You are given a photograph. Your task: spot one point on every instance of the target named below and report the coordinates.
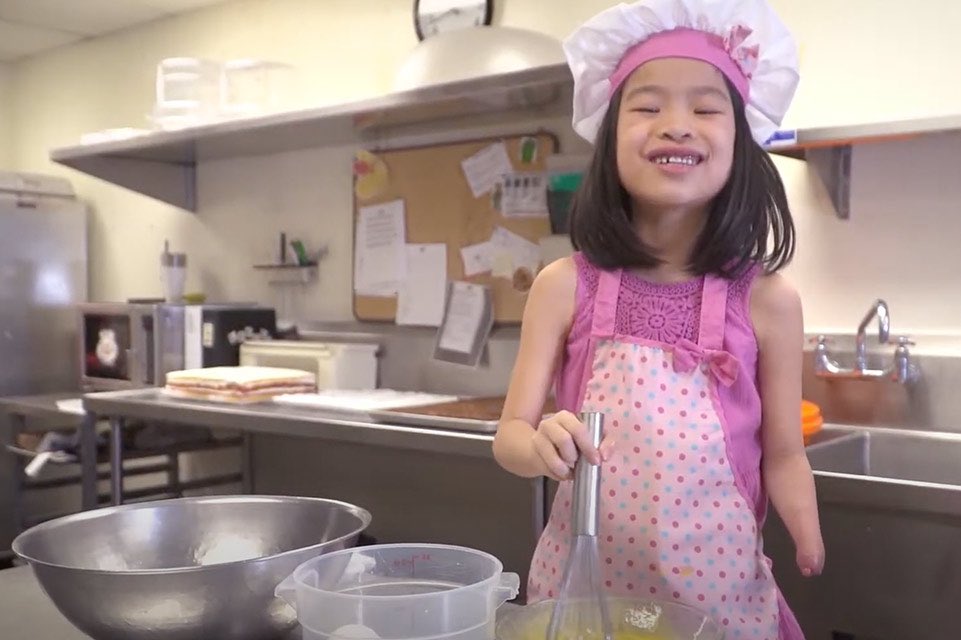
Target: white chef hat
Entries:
(744, 39)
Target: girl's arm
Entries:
(524, 445)
(779, 326)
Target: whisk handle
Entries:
(587, 480)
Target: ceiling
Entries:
(28, 27)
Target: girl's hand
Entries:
(810, 558)
(559, 440)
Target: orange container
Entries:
(811, 419)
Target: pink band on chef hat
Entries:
(682, 43)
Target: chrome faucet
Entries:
(901, 370)
(880, 310)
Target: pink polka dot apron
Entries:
(674, 524)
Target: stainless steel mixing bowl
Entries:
(185, 569)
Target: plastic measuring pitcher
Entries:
(399, 592)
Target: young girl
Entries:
(672, 320)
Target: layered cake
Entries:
(239, 385)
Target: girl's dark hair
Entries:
(749, 220)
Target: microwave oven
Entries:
(133, 345)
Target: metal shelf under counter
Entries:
(81, 467)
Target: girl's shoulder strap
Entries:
(739, 290)
(587, 273)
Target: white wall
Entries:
(6, 117)
(347, 49)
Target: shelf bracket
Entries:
(172, 182)
(832, 165)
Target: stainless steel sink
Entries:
(887, 453)
(888, 468)
(890, 508)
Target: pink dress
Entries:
(674, 369)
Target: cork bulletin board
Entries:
(442, 205)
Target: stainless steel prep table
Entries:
(41, 413)
(285, 420)
(43, 408)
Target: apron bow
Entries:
(687, 355)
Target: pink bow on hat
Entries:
(745, 57)
(722, 364)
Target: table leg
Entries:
(247, 464)
(173, 475)
(88, 461)
(18, 424)
(116, 461)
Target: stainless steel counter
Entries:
(275, 419)
(40, 412)
(27, 612)
(270, 419)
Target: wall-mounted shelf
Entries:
(163, 165)
(289, 273)
(828, 149)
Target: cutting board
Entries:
(361, 402)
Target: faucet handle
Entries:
(820, 340)
(905, 368)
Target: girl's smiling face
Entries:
(675, 135)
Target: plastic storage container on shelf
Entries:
(188, 93)
(399, 592)
(250, 87)
(348, 365)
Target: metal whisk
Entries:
(580, 612)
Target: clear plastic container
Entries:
(251, 87)
(399, 592)
(188, 92)
(173, 275)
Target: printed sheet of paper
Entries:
(421, 298)
(523, 195)
(478, 258)
(380, 255)
(465, 311)
(484, 169)
(511, 251)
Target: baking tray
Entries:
(479, 415)
(436, 422)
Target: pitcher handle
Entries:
(287, 591)
(507, 588)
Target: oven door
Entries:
(116, 346)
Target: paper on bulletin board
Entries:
(380, 255)
(421, 298)
(465, 312)
(478, 258)
(484, 169)
(522, 195)
(511, 251)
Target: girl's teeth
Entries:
(686, 160)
